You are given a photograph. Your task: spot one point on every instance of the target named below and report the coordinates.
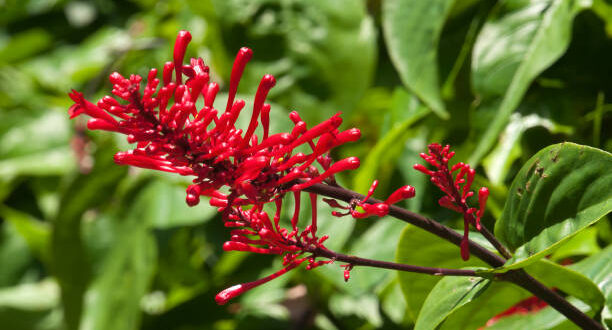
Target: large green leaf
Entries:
(449, 294)
(501, 295)
(598, 269)
(518, 41)
(583, 244)
(385, 152)
(567, 280)
(165, 207)
(412, 31)
(560, 191)
(496, 299)
(421, 248)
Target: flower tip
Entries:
(192, 200)
(336, 120)
(352, 163)
(184, 35)
(355, 133)
(268, 81)
(75, 110)
(226, 295)
(120, 157)
(245, 53)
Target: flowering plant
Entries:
(176, 128)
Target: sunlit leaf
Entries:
(448, 295)
(518, 41)
(560, 191)
(412, 30)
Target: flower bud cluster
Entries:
(456, 187)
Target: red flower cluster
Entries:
(173, 135)
(457, 189)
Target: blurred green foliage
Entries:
(86, 244)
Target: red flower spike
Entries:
(173, 135)
(457, 189)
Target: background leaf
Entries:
(518, 41)
(412, 30)
(449, 294)
(418, 247)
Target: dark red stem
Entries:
(357, 261)
(418, 220)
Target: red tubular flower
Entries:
(172, 135)
(372, 209)
(457, 189)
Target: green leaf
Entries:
(315, 45)
(496, 299)
(559, 192)
(35, 232)
(449, 294)
(544, 319)
(518, 41)
(378, 242)
(25, 44)
(34, 144)
(568, 281)
(393, 302)
(598, 269)
(386, 151)
(498, 162)
(30, 306)
(15, 256)
(421, 248)
(69, 261)
(412, 30)
(113, 301)
(165, 207)
(583, 244)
